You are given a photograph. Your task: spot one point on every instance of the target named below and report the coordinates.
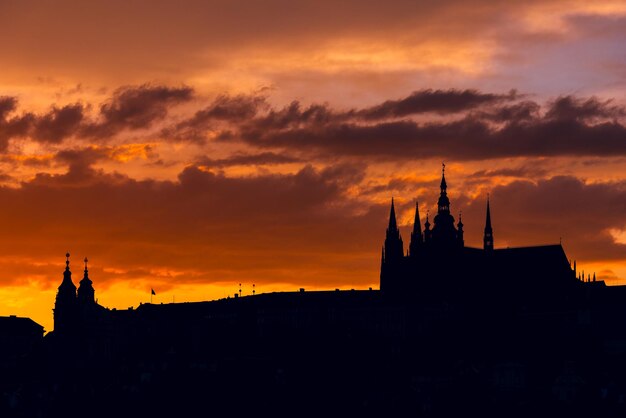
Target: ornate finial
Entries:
(443, 167)
(86, 260)
(67, 260)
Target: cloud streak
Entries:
(567, 126)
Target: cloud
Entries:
(574, 108)
(452, 124)
(58, 124)
(523, 111)
(147, 224)
(436, 101)
(245, 109)
(7, 105)
(568, 126)
(130, 108)
(263, 158)
(135, 108)
(224, 108)
(523, 171)
(562, 207)
(11, 127)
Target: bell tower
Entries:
(86, 292)
(65, 304)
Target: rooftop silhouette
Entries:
(453, 330)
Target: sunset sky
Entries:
(191, 146)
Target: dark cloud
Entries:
(53, 126)
(136, 108)
(524, 171)
(58, 124)
(10, 127)
(230, 108)
(263, 158)
(436, 101)
(244, 109)
(573, 108)
(7, 105)
(224, 108)
(482, 125)
(570, 126)
(523, 111)
(129, 108)
(294, 116)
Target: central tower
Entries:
(444, 233)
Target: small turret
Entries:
(86, 292)
(459, 227)
(427, 230)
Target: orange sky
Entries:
(190, 149)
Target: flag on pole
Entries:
(153, 293)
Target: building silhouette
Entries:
(453, 331)
(439, 265)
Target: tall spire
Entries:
(443, 184)
(443, 203)
(417, 229)
(417, 238)
(488, 237)
(393, 241)
(393, 225)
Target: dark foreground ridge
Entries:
(454, 331)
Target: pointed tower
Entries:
(417, 240)
(392, 256)
(86, 292)
(459, 236)
(488, 237)
(65, 303)
(444, 233)
(394, 249)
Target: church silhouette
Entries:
(453, 331)
(438, 262)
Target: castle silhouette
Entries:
(437, 260)
(453, 330)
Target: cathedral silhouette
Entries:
(437, 260)
(453, 331)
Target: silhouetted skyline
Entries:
(188, 150)
(454, 329)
